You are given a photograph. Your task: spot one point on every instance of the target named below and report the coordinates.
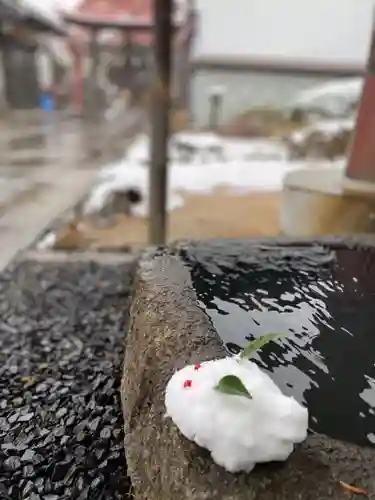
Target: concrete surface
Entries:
(169, 330)
(24, 222)
(358, 186)
(316, 202)
(46, 168)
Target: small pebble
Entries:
(61, 413)
(13, 418)
(12, 463)
(34, 496)
(4, 425)
(26, 417)
(41, 388)
(28, 456)
(106, 433)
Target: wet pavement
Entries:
(46, 166)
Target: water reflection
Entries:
(327, 311)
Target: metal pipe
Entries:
(160, 109)
(94, 51)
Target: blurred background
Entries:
(134, 123)
(264, 96)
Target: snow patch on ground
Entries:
(239, 164)
(48, 241)
(337, 97)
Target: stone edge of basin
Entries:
(167, 331)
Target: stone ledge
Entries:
(358, 187)
(319, 202)
(100, 257)
(168, 330)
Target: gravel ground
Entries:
(61, 343)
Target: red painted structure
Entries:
(135, 19)
(113, 12)
(112, 9)
(361, 163)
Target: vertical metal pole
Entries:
(160, 121)
(215, 105)
(77, 80)
(94, 68)
(128, 46)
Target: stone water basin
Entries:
(200, 300)
(323, 299)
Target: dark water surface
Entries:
(324, 301)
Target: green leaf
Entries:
(230, 384)
(254, 345)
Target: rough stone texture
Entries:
(167, 331)
(61, 349)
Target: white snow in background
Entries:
(335, 97)
(327, 128)
(204, 144)
(46, 9)
(349, 88)
(50, 9)
(239, 432)
(48, 241)
(242, 165)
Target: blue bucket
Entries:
(46, 102)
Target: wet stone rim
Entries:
(167, 331)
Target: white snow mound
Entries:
(239, 432)
(336, 97)
(240, 164)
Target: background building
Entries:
(262, 52)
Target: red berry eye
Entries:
(187, 383)
(197, 367)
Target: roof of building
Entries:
(136, 15)
(117, 9)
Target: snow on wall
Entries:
(335, 97)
